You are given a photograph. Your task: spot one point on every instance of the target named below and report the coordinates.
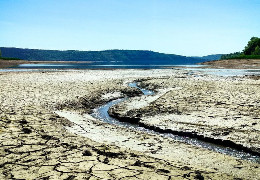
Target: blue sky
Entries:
(185, 27)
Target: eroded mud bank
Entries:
(221, 110)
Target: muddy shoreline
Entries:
(11, 63)
(233, 64)
(46, 131)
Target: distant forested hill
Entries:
(108, 56)
(211, 57)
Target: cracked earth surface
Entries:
(37, 143)
(221, 108)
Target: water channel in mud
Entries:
(101, 113)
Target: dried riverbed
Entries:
(47, 132)
(227, 109)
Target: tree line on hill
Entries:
(7, 58)
(251, 51)
(101, 57)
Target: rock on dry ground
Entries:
(37, 143)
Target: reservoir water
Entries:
(81, 66)
(99, 66)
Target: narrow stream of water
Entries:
(101, 113)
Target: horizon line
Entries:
(108, 50)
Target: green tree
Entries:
(0, 53)
(251, 45)
(257, 51)
(231, 55)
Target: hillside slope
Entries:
(107, 57)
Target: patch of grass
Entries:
(245, 57)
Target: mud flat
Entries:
(234, 64)
(219, 108)
(47, 132)
(11, 63)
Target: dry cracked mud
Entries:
(222, 108)
(39, 142)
